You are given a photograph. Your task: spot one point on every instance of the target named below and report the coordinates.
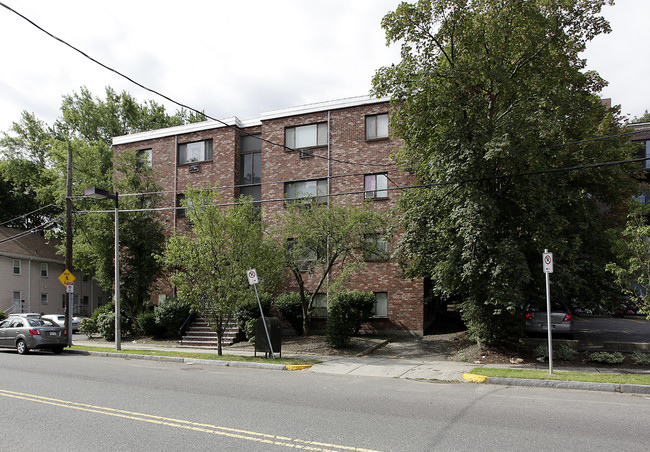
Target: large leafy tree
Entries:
(34, 166)
(209, 264)
(487, 91)
(327, 241)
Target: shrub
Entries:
(171, 313)
(607, 358)
(290, 307)
(3, 315)
(249, 330)
(561, 353)
(88, 326)
(106, 325)
(347, 312)
(146, 322)
(641, 358)
(251, 311)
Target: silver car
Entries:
(561, 319)
(27, 333)
(60, 320)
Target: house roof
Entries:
(28, 245)
(236, 122)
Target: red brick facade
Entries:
(344, 161)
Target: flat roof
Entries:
(236, 122)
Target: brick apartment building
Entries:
(332, 150)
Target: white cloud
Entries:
(240, 58)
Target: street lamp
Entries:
(98, 193)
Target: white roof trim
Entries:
(187, 128)
(234, 121)
(322, 106)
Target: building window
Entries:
(376, 186)
(380, 309)
(319, 307)
(44, 270)
(376, 247)
(304, 258)
(314, 190)
(646, 164)
(43, 298)
(15, 299)
(144, 158)
(198, 151)
(377, 127)
(16, 267)
(250, 168)
(306, 136)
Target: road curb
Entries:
(559, 384)
(209, 362)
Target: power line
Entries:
(164, 96)
(24, 233)
(27, 214)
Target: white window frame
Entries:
(314, 189)
(380, 307)
(319, 307)
(45, 271)
(17, 267)
(307, 136)
(376, 186)
(377, 127)
(194, 152)
(145, 158)
(381, 244)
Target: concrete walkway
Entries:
(394, 360)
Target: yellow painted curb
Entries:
(297, 366)
(474, 378)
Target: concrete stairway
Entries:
(200, 334)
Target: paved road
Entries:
(116, 404)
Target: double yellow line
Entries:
(275, 440)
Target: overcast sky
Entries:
(241, 58)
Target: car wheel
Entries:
(58, 350)
(21, 347)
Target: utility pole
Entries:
(69, 298)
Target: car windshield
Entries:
(41, 322)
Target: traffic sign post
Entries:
(253, 281)
(67, 279)
(547, 260)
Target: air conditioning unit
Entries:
(306, 153)
(371, 194)
(195, 168)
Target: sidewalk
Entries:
(393, 361)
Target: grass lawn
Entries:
(637, 379)
(199, 355)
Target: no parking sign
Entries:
(252, 276)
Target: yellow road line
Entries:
(294, 443)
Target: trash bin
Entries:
(275, 333)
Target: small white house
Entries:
(29, 272)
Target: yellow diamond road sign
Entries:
(66, 277)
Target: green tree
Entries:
(327, 240)
(34, 169)
(209, 264)
(632, 269)
(487, 91)
(645, 117)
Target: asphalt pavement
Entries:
(400, 359)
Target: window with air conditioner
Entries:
(376, 186)
(312, 135)
(197, 151)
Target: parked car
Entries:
(26, 333)
(60, 320)
(561, 319)
(30, 315)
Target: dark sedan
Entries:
(24, 334)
